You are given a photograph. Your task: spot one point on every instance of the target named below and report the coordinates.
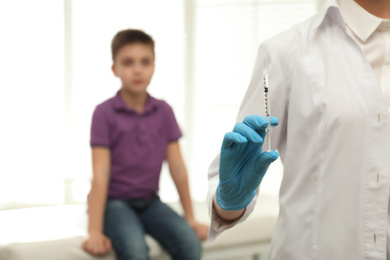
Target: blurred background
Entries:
(55, 64)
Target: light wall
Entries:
(56, 68)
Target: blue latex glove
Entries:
(242, 163)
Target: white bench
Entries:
(56, 232)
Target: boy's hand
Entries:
(97, 244)
(242, 163)
(200, 229)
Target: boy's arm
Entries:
(97, 243)
(180, 178)
(98, 195)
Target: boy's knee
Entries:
(129, 249)
(190, 248)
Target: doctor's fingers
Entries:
(256, 122)
(248, 132)
(260, 123)
(264, 160)
(233, 138)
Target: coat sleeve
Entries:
(253, 104)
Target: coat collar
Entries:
(362, 23)
(330, 10)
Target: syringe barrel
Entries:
(268, 134)
(266, 94)
(267, 108)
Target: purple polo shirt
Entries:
(137, 142)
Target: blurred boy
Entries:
(131, 135)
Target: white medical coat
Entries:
(333, 139)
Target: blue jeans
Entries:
(127, 221)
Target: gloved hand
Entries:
(242, 163)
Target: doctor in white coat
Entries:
(329, 83)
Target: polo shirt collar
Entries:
(119, 105)
(362, 23)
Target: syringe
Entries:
(267, 107)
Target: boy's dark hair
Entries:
(129, 36)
